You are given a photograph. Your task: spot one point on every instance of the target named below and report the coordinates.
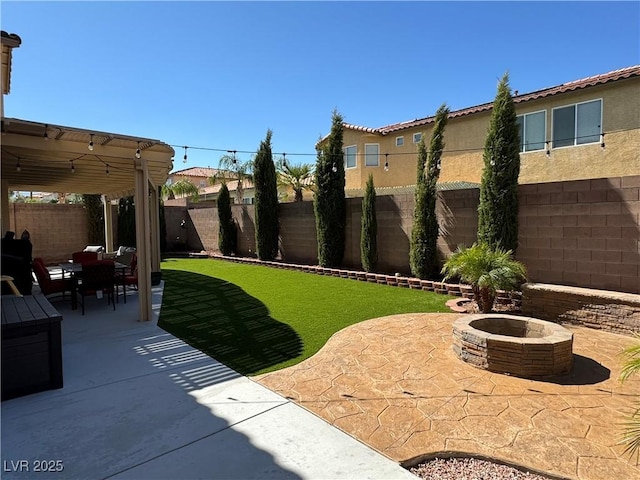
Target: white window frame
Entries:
(400, 141)
(414, 137)
(575, 123)
(523, 146)
(355, 156)
(367, 155)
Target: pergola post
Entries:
(154, 213)
(143, 241)
(4, 196)
(108, 224)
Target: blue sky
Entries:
(219, 74)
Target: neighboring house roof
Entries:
(615, 75)
(196, 172)
(410, 189)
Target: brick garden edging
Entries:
(453, 289)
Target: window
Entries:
(247, 201)
(577, 124)
(399, 141)
(533, 128)
(371, 154)
(417, 137)
(203, 183)
(350, 156)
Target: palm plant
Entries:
(182, 188)
(631, 434)
(486, 270)
(298, 177)
(232, 169)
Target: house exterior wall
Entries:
(465, 137)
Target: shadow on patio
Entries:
(139, 403)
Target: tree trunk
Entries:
(487, 300)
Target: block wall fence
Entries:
(583, 233)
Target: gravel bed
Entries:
(470, 469)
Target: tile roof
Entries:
(196, 172)
(612, 76)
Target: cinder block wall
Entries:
(57, 230)
(582, 233)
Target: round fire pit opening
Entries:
(516, 345)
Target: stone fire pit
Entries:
(521, 346)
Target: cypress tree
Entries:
(498, 208)
(369, 229)
(266, 201)
(95, 216)
(329, 204)
(127, 222)
(227, 233)
(424, 235)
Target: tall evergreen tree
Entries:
(127, 222)
(369, 229)
(227, 236)
(266, 201)
(329, 204)
(498, 208)
(424, 235)
(95, 216)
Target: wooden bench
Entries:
(31, 346)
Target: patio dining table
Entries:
(75, 271)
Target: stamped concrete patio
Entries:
(395, 384)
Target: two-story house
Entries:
(588, 128)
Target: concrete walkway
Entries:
(138, 403)
(395, 384)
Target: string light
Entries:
(386, 162)
(602, 140)
(334, 169)
(46, 135)
(73, 168)
(91, 143)
(107, 171)
(284, 160)
(234, 156)
(18, 168)
(138, 154)
(184, 159)
(548, 151)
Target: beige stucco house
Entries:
(588, 128)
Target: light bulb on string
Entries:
(334, 169)
(233, 152)
(18, 167)
(548, 151)
(46, 135)
(138, 154)
(107, 171)
(73, 168)
(386, 162)
(284, 160)
(602, 140)
(91, 143)
(184, 159)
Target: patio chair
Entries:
(84, 257)
(49, 286)
(98, 276)
(129, 277)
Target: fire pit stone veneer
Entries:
(520, 346)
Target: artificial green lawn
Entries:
(257, 319)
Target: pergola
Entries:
(54, 158)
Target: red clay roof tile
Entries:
(612, 76)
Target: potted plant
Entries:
(486, 270)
